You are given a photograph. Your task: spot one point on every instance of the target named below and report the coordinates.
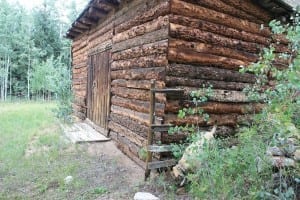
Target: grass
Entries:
(34, 159)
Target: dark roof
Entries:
(98, 9)
(93, 12)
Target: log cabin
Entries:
(119, 46)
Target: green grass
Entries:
(33, 158)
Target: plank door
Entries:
(98, 100)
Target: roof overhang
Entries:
(99, 9)
(279, 7)
(93, 12)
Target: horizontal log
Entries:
(192, 34)
(137, 84)
(79, 108)
(137, 105)
(159, 148)
(221, 120)
(79, 87)
(137, 94)
(159, 10)
(218, 95)
(222, 131)
(209, 73)
(157, 73)
(161, 164)
(130, 123)
(249, 7)
(172, 81)
(191, 10)
(212, 49)
(126, 148)
(79, 115)
(105, 37)
(215, 107)
(220, 6)
(220, 29)
(188, 56)
(142, 118)
(142, 62)
(130, 135)
(156, 48)
(147, 38)
(79, 70)
(99, 31)
(156, 24)
(80, 101)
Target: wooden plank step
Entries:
(161, 164)
(159, 148)
(161, 127)
(168, 90)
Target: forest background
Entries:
(34, 54)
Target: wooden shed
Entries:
(119, 46)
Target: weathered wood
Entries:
(147, 38)
(140, 117)
(159, 148)
(229, 96)
(215, 107)
(130, 123)
(156, 48)
(249, 7)
(130, 135)
(220, 29)
(222, 131)
(220, 6)
(160, 127)
(192, 34)
(156, 24)
(98, 95)
(137, 84)
(137, 105)
(159, 10)
(209, 73)
(150, 132)
(126, 147)
(189, 56)
(136, 94)
(191, 10)
(141, 62)
(161, 164)
(172, 81)
(105, 37)
(157, 73)
(222, 120)
(213, 49)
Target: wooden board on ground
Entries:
(81, 132)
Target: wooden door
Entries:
(98, 100)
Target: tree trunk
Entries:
(28, 78)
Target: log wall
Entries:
(179, 43)
(209, 41)
(139, 54)
(138, 32)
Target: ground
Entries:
(35, 159)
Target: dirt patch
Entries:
(122, 177)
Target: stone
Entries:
(144, 196)
(274, 151)
(279, 161)
(297, 155)
(68, 180)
